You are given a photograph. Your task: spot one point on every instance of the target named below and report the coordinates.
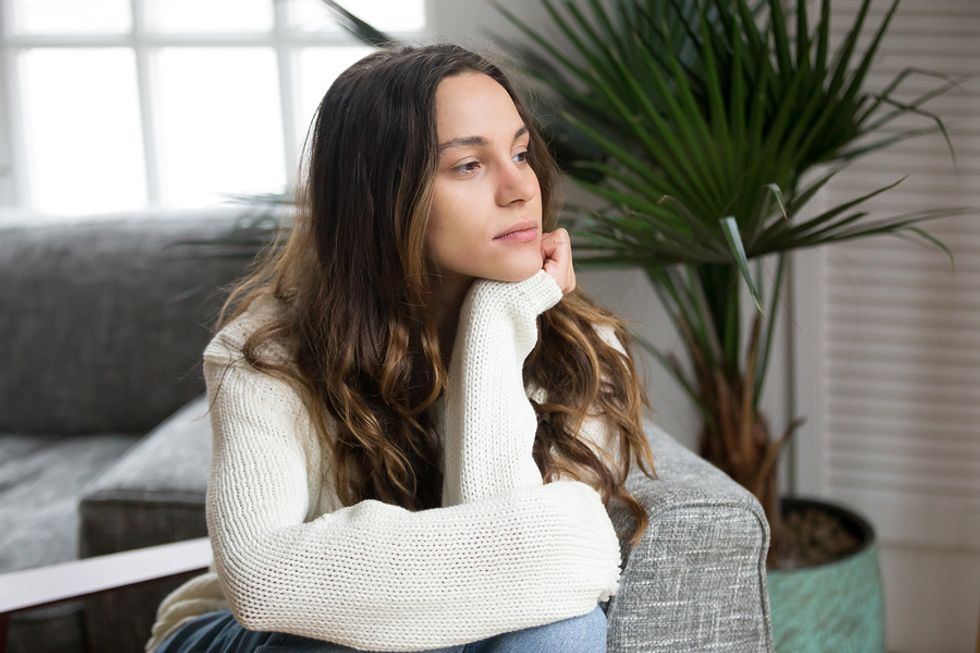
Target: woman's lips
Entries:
(523, 236)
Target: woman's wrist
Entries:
(529, 297)
(516, 302)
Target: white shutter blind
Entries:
(901, 330)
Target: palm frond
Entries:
(704, 123)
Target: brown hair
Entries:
(352, 278)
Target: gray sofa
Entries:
(105, 443)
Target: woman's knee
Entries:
(582, 634)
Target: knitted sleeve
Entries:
(490, 434)
(375, 576)
(489, 421)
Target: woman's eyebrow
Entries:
(475, 140)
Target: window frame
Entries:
(286, 43)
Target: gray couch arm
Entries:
(697, 579)
(153, 494)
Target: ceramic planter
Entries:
(836, 606)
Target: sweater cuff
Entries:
(527, 299)
(519, 302)
(539, 292)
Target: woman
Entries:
(401, 461)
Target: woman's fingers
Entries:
(556, 254)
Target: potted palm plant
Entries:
(707, 137)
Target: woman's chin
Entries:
(517, 274)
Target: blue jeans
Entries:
(220, 632)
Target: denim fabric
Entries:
(219, 632)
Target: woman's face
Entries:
(484, 185)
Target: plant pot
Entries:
(834, 606)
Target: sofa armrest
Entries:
(697, 579)
(152, 495)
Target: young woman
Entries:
(418, 422)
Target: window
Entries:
(129, 104)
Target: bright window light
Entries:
(318, 68)
(220, 124)
(386, 15)
(209, 16)
(199, 101)
(70, 16)
(82, 129)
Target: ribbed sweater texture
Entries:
(504, 552)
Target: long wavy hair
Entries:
(352, 278)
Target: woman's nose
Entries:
(515, 181)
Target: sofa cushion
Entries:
(154, 494)
(112, 315)
(41, 480)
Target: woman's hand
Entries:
(556, 252)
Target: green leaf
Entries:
(688, 153)
(629, 160)
(670, 363)
(888, 225)
(599, 68)
(357, 27)
(932, 239)
(535, 37)
(773, 311)
(730, 228)
(819, 222)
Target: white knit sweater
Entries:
(504, 552)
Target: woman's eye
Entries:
(463, 167)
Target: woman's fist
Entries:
(556, 255)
